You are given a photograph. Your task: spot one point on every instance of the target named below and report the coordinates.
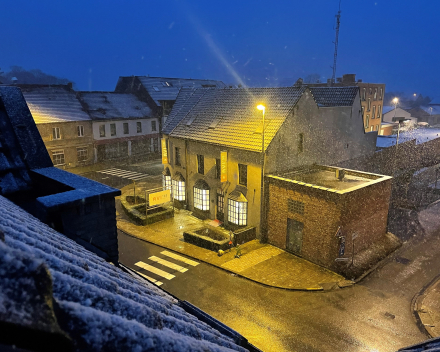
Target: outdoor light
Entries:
(261, 107)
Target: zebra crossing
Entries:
(131, 175)
(171, 266)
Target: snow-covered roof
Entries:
(109, 105)
(432, 109)
(99, 306)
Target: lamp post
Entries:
(262, 108)
(395, 102)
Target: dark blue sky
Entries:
(262, 43)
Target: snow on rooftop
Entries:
(421, 135)
(101, 307)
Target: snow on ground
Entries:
(421, 135)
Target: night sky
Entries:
(256, 43)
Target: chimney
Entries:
(349, 78)
(70, 85)
(340, 174)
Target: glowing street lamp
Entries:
(395, 102)
(262, 108)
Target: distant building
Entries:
(122, 125)
(66, 129)
(303, 125)
(433, 113)
(372, 95)
(161, 92)
(394, 115)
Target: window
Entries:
(177, 156)
(367, 121)
(156, 88)
(80, 130)
(237, 212)
(81, 154)
(201, 198)
(364, 94)
(166, 179)
(371, 129)
(155, 144)
(381, 93)
(377, 127)
(153, 126)
(242, 174)
(220, 201)
(363, 109)
(200, 164)
(58, 157)
(178, 187)
(112, 129)
(369, 104)
(218, 169)
(370, 91)
(139, 127)
(378, 111)
(101, 130)
(375, 93)
(125, 127)
(56, 134)
(294, 206)
(373, 115)
(300, 142)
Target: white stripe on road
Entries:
(156, 271)
(121, 173)
(168, 264)
(180, 258)
(136, 178)
(154, 281)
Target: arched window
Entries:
(166, 179)
(201, 195)
(178, 186)
(237, 208)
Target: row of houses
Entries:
(82, 128)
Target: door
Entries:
(294, 236)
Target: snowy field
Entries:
(421, 135)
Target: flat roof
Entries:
(324, 178)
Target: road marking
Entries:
(180, 258)
(133, 175)
(168, 264)
(154, 281)
(154, 270)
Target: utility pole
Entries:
(335, 56)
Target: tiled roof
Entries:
(98, 305)
(334, 96)
(162, 88)
(185, 101)
(53, 104)
(105, 105)
(230, 117)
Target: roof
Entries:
(334, 96)
(97, 304)
(109, 105)
(162, 88)
(229, 117)
(435, 101)
(387, 108)
(431, 110)
(50, 104)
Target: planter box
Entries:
(137, 212)
(195, 237)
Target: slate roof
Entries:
(334, 96)
(106, 105)
(101, 307)
(50, 104)
(162, 88)
(229, 117)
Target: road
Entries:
(374, 315)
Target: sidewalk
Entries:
(259, 262)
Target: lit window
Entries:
(242, 174)
(375, 93)
(80, 130)
(56, 133)
(166, 179)
(112, 129)
(81, 154)
(237, 208)
(367, 121)
(200, 164)
(138, 127)
(153, 126)
(373, 115)
(369, 104)
(201, 195)
(378, 111)
(178, 187)
(125, 127)
(101, 130)
(58, 157)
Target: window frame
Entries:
(237, 214)
(242, 174)
(367, 121)
(80, 158)
(153, 126)
(125, 128)
(56, 133)
(200, 164)
(138, 127)
(201, 198)
(218, 168)
(102, 130)
(58, 152)
(179, 189)
(113, 129)
(80, 130)
(177, 158)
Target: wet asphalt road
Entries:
(374, 315)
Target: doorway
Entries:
(294, 236)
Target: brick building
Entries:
(306, 207)
(372, 95)
(302, 126)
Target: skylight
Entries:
(156, 88)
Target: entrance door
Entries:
(294, 235)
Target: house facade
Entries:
(122, 126)
(393, 115)
(66, 129)
(213, 143)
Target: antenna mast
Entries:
(335, 56)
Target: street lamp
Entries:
(262, 108)
(395, 102)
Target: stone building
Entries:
(302, 126)
(372, 95)
(315, 211)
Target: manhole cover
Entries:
(402, 260)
